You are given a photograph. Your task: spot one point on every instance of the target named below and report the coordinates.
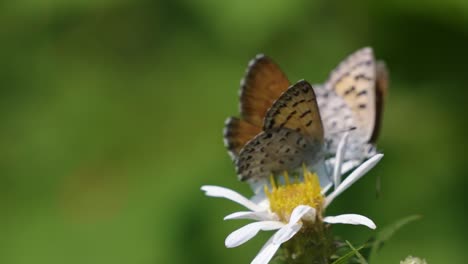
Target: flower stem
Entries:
(312, 245)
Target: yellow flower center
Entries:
(283, 199)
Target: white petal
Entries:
(266, 253)
(339, 159)
(346, 166)
(349, 165)
(260, 216)
(216, 191)
(353, 177)
(261, 199)
(352, 219)
(286, 233)
(289, 230)
(245, 233)
(325, 189)
(301, 211)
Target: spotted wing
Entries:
(297, 110)
(275, 151)
(263, 83)
(293, 135)
(354, 80)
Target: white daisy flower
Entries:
(292, 207)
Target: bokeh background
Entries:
(111, 117)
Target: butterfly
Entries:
(281, 126)
(353, 98)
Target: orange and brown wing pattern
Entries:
(297, 110)
(263, 83)
(237, 133)
(292, 136)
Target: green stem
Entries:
(312, 245)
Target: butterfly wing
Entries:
(237, 133)
(263, 83)
(381, 91)
(272, 152)
(297, 110)
(337, 118)
(293, 135)
(354, 80)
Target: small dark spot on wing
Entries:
(298, 102)
(350, 90)
(291, 115)
(305, 113)
(361, 93)
(362, 76)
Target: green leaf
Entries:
(344, 259)
(387, 232)
(362, 260)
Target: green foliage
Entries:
(356, 252)
(375, 243)
(344, 259)
(387, 232)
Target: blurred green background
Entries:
(112, 114)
